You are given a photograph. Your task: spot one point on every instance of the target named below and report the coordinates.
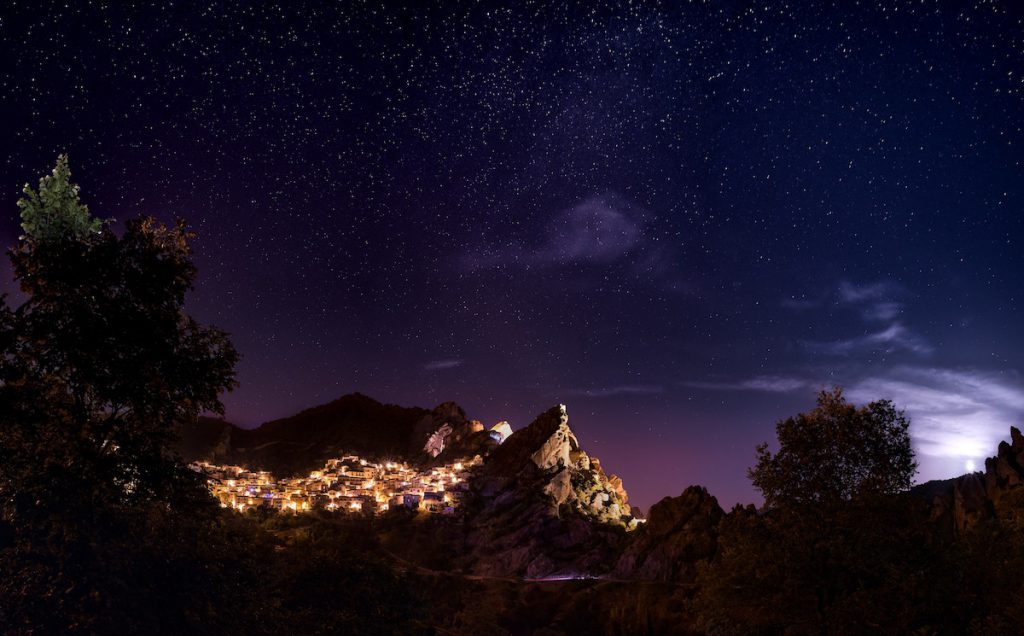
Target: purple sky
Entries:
(680, 221)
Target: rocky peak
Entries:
(1006, 469)
(976, 496)
(557, 450)
(542, 506)
(445, 435)
(547, 455)
(450, 411)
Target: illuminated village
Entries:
(349, 483)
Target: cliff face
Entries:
(1005, 471)
(446, 435)
(547, 454)
(541, 506)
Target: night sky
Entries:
(679, 219)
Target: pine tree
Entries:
(98, 369)
(55, 211)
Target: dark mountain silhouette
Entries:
(354, 423)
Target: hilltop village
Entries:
(351, 483)
(348, 483)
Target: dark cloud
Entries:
(876, 302)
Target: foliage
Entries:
(992, 559)
(102, 529)
(54, 211)
(332, 579)
(840, 548)
(99, 367)
(101, 363)
(835, 453)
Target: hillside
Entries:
(353, 423)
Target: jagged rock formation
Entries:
(572, 479)
(451, 435)
(435, 443)
(680, 532)
(1005, 471)
(541, 506)
(959, 504)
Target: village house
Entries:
(349, 483)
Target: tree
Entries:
(835, 453)
(98, 368)
(839, 547)
(55, 211)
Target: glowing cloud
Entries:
(958, 417)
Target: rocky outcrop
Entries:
(971, 503)
(961, 503)
(680, 533)
(445, 435)
(435, 443)
(1005, 471)
(541, 506)
(571, 479)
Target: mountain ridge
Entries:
(353, 423)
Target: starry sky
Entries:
(680, 219)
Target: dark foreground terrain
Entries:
(547, 544)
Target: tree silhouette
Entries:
(839, 548)
(835, 453)
(98, 368)
(102, 529)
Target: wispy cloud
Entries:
(762, 383)
(440, 365)
(893, 338)
(877, 302)
(599, 230)
(868, 292)
(956, 415)
(612, 391)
